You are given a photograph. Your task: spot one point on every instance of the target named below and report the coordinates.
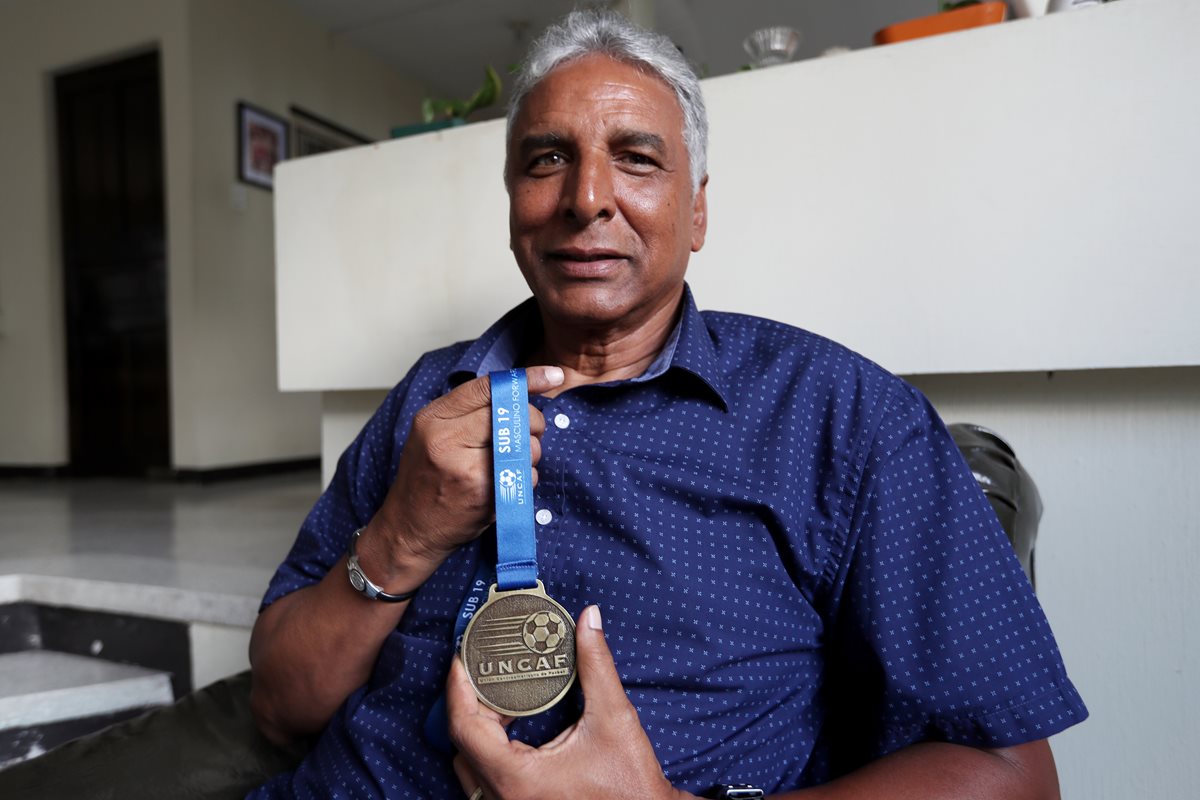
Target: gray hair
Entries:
(582, 33)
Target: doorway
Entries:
(111, 190)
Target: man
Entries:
(785, 576)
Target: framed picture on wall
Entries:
(314, 134)
(262, 143)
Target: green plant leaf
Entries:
(431, 107)
(951, 6)
(487, 94)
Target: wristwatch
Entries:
(734, 791)
(362, 584)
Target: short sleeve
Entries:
(935, 632)
(364, 473)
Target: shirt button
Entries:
(543, 516)
(561, 421)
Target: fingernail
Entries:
(554, 375)
(593, 618)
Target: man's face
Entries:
(602, 215)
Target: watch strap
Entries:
(362, 584)
(734, 791)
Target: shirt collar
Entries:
(689, 349)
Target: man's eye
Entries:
(639, 160)
(545, 160)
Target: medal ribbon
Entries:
(516, 541)
(512, 475)
(437, 723)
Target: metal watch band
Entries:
(734, 791)
(362, 584)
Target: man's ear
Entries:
(700, 215)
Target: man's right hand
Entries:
(442, 495)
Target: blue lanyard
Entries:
(512, 474)
(437, 724)
(516, 540)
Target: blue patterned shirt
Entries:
(797, 571)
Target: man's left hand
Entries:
(605, 754)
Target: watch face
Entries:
(357, 580)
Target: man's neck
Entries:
(600, 355)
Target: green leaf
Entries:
(486, 96)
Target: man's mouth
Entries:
(586, 262)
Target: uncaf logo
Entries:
(508, 642)
(508, 485)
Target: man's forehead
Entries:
(599, 88)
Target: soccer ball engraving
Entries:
(508, 478)
(543, 632)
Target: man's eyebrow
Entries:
(540, 141)
(641, 139)
(623, 138)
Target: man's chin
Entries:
(599, 305)
(585, 303)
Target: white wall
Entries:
(226, 407)
(1116, 457)
(218, 651)
(38, 39)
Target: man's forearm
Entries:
(937, 771)
(312, 648)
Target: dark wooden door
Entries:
(114, 266)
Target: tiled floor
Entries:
(223, 538)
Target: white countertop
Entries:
(180, 552)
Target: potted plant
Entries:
(453, 112)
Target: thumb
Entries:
(474, 728)
(476, 394)
(543, 379)
(602, 689)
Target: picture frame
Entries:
(313, 133)
(262, 143)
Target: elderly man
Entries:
(801, 587)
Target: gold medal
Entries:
(519, 651)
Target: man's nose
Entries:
(588, 193)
